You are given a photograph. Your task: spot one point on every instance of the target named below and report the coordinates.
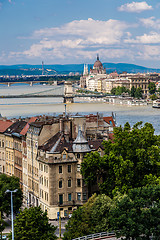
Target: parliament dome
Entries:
(97, 63)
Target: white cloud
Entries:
(90, 30)
(135, 7)
(151, 22)
(151, 38)
(148, 52)
(75, 39)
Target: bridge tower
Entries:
(68, 92)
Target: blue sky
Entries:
(74, 31)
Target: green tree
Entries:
(32, 224)
(137, 214)
(153, 97)
(118, 91)
(138, 93)
(131, 160)
(10, 183)
(79, 224)
(100, 214)
(133, 89)
(113, 91)
(152, 87)
(89, 219)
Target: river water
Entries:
(53, 106)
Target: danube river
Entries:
(53, 106)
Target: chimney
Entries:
(61, 125)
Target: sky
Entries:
(75, 31)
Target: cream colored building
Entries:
(9, 156)
(95, 80)
(61, 183)
(38, 133)
(2, 153)
(4, 124)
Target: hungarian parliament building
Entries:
(96, 79)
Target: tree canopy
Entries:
(32, 224)
(119, 90)
(132, 160)
(152, 87)
(92, 217)
(10, 183)
(137, 214)
(136, 92)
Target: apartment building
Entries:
(45, 153)
(61, 185)
(4, 124)
(13, 149)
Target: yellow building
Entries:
(9, 155)
(4, 124)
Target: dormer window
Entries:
(64, 156)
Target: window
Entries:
(78, 167)
(69, 197)
(69, 182)
(79, 196)
(44, 181)
(60, 199)
(84, 196)
(78, 182)
(69, 168)
(64, 156)
(60, 184)
(78, 155)
(60, 169)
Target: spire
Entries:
(80, 144)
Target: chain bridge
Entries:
(67, 91)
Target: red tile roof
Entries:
(109, 120)
(4, 124)
(26, 127)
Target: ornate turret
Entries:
(98, 64)
(80, 144)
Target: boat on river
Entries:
(156, 104)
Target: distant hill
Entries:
(24, 69)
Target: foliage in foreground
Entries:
(10, 183)
(92, 217)
(135, 215)
(132, 160)
(32, 224)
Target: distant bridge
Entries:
(58, 91)
(30, 82)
